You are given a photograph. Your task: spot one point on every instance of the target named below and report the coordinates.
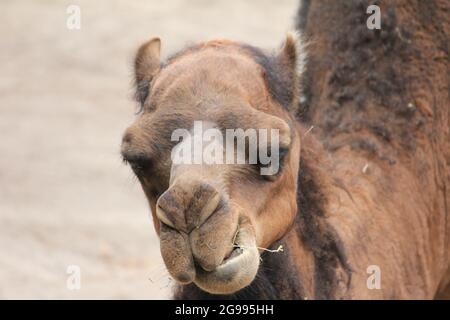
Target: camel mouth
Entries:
(238, 270)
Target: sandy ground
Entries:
(65, 99)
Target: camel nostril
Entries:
(163, 217)
(170, 209)
(209, 208)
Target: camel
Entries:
(364, 146)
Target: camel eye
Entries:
(283, 154)
(281, 162)
(138, 163)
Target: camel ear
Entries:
(291, 59)
(292, 53)
(146, 66)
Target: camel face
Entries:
(213, 218)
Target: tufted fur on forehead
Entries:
(281, 69)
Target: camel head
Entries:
(214, 217)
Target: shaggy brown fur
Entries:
(372, 185)
(382, 98)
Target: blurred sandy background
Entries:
(65, 99)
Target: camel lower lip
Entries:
(237, 271)
(236, 252)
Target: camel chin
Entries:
(237, 271)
